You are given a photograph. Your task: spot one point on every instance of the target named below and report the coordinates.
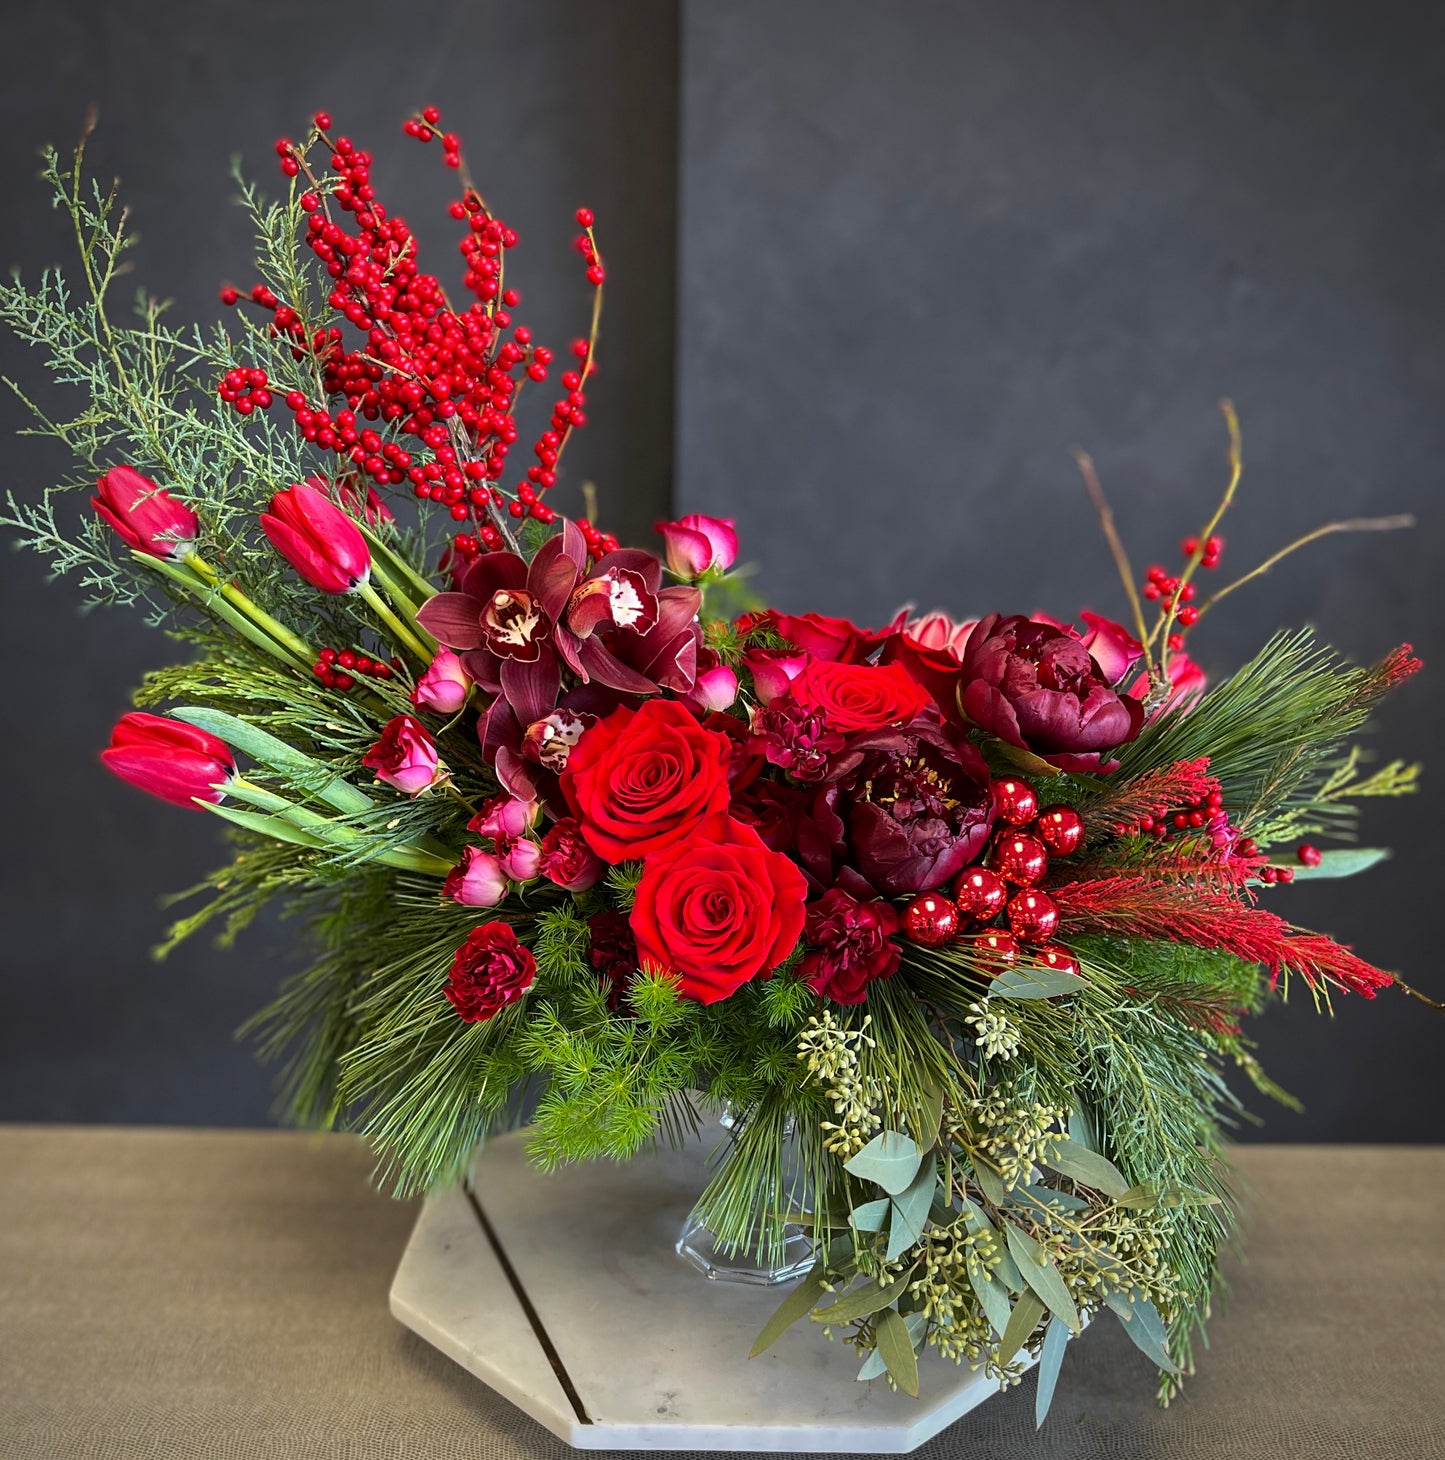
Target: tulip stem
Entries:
(258, 615)
(395, 563)
(397, 627)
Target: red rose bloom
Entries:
(641, 781)
(834, 639)
(854, 697)
(718, 910)
(850, 946)
(490, 970)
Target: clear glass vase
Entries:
(699, 1245)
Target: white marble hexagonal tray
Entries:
(565, 1295)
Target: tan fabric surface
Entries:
(204, 1293)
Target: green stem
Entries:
(233, 595)
(395, 562)
(404, 604)
(384, 613)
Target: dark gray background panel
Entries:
(927, 248)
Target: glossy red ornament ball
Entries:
(1017, 801)
(1060, 829)
(1019, 858)
(1033, 916)
(1056, 958)
(930, 919)
(981, 894)
(1310, 856)
(996, 950)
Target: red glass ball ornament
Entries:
(1017, 801)
(1056, 958)
(930, 919)
(996, 951)
(1033, 916)
(1019, 858)
(1060, 829)
(981, 894)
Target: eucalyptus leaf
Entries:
(1042, 1196)
(873, 1366)
(1079, 1163)
(795, 1306)
(989, 1182)
(1143, 1324)
(910, 1209)
(1022, 1322)
(871, 1215)
(1081, 1128)
(889, 1159)
(1051, 1357)
(1041, 1275)
(1339, 862)
(993, 1297)
(864, 1301)
(1022, 983)
(896, 1345)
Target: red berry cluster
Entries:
(446, 376)
(1205, 811)
(246, 390)
(1006, 885)
(1170, 592)
(338, 668)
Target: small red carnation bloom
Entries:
(567, 860)
(849, 946)
(490, 970)
(613, 954)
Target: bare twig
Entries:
(1116, 545)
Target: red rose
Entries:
(855, 697)
(850, 946)
(490, 970)
(641, 781)
(718, 909)
(829, 638)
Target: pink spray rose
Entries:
(444, 686)
(477, 880)
(404, 757)
(695, 545)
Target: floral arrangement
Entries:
(962, 919)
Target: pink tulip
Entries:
(145, 517)
(317, 538)
(172, 760)
(477, 880)
(936, 630)
(444, 686)
(773, 670)
(696, 545)
(715, 689)
(404, 757)
(521, 859)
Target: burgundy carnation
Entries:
(849, 946)
(490, 970)
(567, 860)
(773, 809)
(1037, 687)
(613, 954)
(794, 739)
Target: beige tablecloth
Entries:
(173, 1293)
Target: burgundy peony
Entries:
(1037, 687)
(405, 757)
(718, 909)
(172, 760)
(317, 538)
(567, 860)
(916, 811)
(145, 517)
(848, 946)
(490, 970)
(642, 780)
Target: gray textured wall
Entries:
(558, 105)
(927, 248)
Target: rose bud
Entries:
(145, 517)
(505, 816)
(172, 760)
(567, 860)
(521, 859)
(317, 538)
(773, 670)
(444, 686)
(477, 880)
(404, 757)
(695, 545)
(715, 689)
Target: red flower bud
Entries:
(317, 538)
(146, 517)
(172, 760)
